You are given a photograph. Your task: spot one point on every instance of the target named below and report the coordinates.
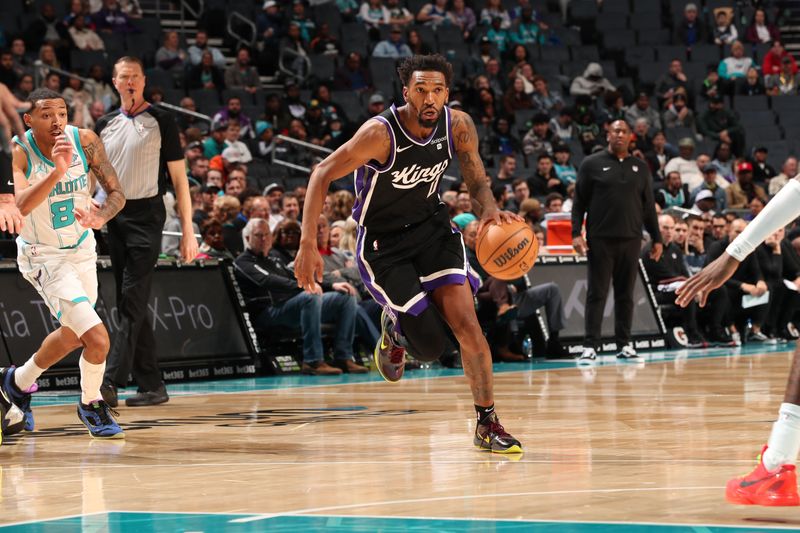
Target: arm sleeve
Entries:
(170, 139)
(583, 191)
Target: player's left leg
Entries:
(774, 482)
(92, 410)
(458, 309)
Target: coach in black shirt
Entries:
(615, 192)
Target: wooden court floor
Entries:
(619, 447)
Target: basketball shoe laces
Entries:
(396, 355)
(494, 427)
(102, 410)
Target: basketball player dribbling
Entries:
(773, 482)
(408, 254)
(56, 251)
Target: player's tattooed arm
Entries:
(465, 138)
(104, 172)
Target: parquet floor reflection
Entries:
(623, 447)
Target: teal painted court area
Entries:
(299, 380)
(123, 522)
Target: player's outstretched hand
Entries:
(711, 277)
(62, 153)
(188, 247)
(308, 268)
(89, 218)
(498, 217)
(10, 217)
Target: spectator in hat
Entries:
(215, 142)
(773, 60)
(788, 171)
(685, 164)
(591, 82)
(241, 74)
(316, 124)
(270, 29)
(641, 109)
(705, 202)
(715, 185)
(674, 193)
(564, 168)
(562, 126)
(762, 171)
(376, 105)
(265, 138)
(743, 190)
(691, 29)
(721, 124)
(394, 46)
(539, 139)
(760, 30)
(274, 194)
(784, 83)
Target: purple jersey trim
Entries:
(392, 152)
(450, 143)
(453, 279)
(411, 136)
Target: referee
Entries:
(615, 192)
(10, 217)
(143, 145)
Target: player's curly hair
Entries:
(417, 63)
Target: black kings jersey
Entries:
(405, 190)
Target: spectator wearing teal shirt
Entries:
(565, 170)
(499, 36)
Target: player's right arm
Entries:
(29, 196)
(779, 212)
(371, 141)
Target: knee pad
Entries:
(80, 317)
(426, 334)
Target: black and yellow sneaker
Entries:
(390, 357)
(493, 437)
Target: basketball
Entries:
(507, 251)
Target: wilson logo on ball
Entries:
(510, 253)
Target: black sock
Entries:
(484, 413)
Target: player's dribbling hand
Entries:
(711, 277)
(308, 268)
(62, 153)
(498, 217)
(188, 247)
(89, 218)
(10, 217)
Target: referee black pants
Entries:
(617, 260)
(134, 243)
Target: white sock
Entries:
(91, 379)
(26, 375)
(784, 441)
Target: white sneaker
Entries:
(627, 352)
(736, 338)
(759, 336)
(588, 356)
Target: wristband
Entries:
(781, 210)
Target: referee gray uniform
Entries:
(139, 148)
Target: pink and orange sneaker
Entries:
(761, 487)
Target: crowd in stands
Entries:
(705, 99)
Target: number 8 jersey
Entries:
(53, 222)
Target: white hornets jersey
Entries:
(53, 222)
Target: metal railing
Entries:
(292, 73)
(302, 144)
(240, 39)
(39, 66)
(178, 109)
